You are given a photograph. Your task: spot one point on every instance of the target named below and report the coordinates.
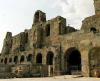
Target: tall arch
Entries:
(5, 61)
(47, 30)
(72, 60)
(16, 59)
(1, 60)
(49, 58)
(22, 59)
(29, 58)
(39, 58)
(10, 60)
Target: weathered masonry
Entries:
(51, 48)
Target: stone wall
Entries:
(52, 43)
(97, 6)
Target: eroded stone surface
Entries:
(51, 48)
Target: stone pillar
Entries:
(85, 63)
(97, 6)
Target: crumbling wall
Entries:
(97, 6)
(91, 24)
(7, 43)
(51, 36)
(39, 17)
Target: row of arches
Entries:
(49, 59)
(15, 59)
(72, 59)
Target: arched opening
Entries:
(29, 58)
(49, 62)
(1, 60)
(22, 58)
(39, 58)
(49, 58)
(10, 60)
(36, 18)
(72, 61)
(15, 59)
(93, 29)
(47, 30)
(5, 61)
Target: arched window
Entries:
(93, 30)
(10, 60)
(5, 61)
(22, 58)
(39, 58)
(16, 59)
(1, 60)
(47, 30)
(49, 58)
(29, 58)
(22, 48)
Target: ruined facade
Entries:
(51, 48)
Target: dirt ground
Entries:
(56, 78)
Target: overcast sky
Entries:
(17, 15)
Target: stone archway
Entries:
(49, 62)
(72, 60)
(29, 58)
(10, 60)
(5, 61)
(22, 59)
(2, 60)
(16, 59)
(39, 58)
(49, 58)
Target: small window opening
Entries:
(48, 30)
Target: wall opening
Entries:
(29, 58)
(22, 58)
(5, 61)
(36, 18)
(1, 60)
(10, 60)
(26, 37)
(49, 58)
(47, 30)
(93, 30)
(22, 48)
(16, 59)
(39, 58)
(60, 28)
(72, 61)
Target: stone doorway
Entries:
(49, 62)
(39, 58)
(16, 59)
(72, 61)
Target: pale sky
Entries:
(17, 15)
